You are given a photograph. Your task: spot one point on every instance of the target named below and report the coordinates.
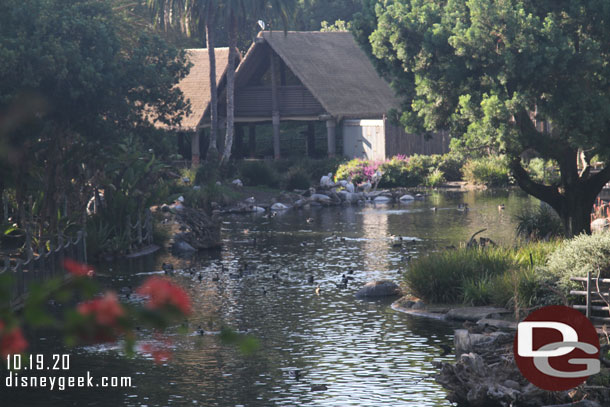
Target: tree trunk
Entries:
(230, 88)
(573, 199)
(212, 153)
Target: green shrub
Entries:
(396, 173)
(435, 178)
(542, 171)
(296, 178)
(358, 170)
(539, 224)
(253, 173)
(577, 256)
(488, 171)
(451, 165)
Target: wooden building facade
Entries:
(310, 77)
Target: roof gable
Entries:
(196, 85)
(335, 70)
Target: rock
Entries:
(350, 188)
(474, 313)
(366, 187)
(182, 247)
(180, 199)
(599, 225)
(237, 182)
(279, 207)
(511, 384)
(498, 323)
(218, 183)
(472, 381)
(406, 198)
(381, 288)
(300, 203)
(467, 342)
(382, 199)
(408, 304)
(349, 197)
(250, 200)
(186, 180)
(258, 209)
(419, 304)
(196, 187)
(320, 198)
(327, 181)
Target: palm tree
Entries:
(236, 13)
(190, 16)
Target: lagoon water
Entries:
(364, 352)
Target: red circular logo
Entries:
(556, 348)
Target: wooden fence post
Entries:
(588, 299)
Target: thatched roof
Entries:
(335, 70)
(196, 85)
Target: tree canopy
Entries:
(71, 86)
(509, 75)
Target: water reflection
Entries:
(366, 353)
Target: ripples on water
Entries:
(366, 353)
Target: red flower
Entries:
(11, 342)
(78, 269)
(106, 310)
(162, 292)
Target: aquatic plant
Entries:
(482, 276)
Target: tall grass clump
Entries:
(542, 223)
(489, 171)
(505, 277)
(440, 277)
(435, 178)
